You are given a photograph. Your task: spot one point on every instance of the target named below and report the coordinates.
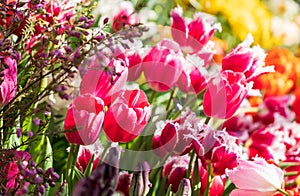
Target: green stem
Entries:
(282, 191)
(207, 120)
(152, 97)
(190, 164)
(170, 99)
(107, 146)
(293, 173)
(206, 193)
(72, 157)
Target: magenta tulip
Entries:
(225, 94)
(8, 86)
(84, 119)
(244, 59)
(163, 65)
(104, 82)
(192, 79)
(127, 116)
(192, 36)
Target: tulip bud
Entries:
(184, 188)
(103, 180)
(140, 183)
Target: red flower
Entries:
(163, 65)
(192, 37)
(225, 94)
(84, 119)
(244, 59)
(8, 86)
(127, 116)
(124, 17)
(175, 168)
(223, 158)
(85, 154)
(192, 79)
(104, 82)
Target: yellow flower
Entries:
(245, 16)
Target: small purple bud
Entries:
(32, 164)
(55, 176)
(68, 49)
(82, 18)
(38, 179)
(19, 132)
(56, 41)
(85, 25)
(72, 33)
(52, 184)
(78, 35)
(50, 170)
(105, 21)
(42, 189)
(30, 134)
(36, 121)
(40, 170)
(65, 96)
(99, 37)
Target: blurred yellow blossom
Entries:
(245, 16)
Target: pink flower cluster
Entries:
(128, 110)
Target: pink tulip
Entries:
(175, 168)
(222, 158)
(177, 136)
(192, 36)
(104, 81)
(192, 79)
(85, 154)
(125, 16)
(84, 119)
(134, 61)
(255, 177)
(124, 181)
(244, 59)
(225, 94)
(8, 86)
(217, 186)
(163, 65)
(127, 116)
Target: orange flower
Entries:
(285, 62)
(284, 79)
(220, 47)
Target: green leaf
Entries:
(89, 167)
(229, 186)
(12, 141)
(41, 152)
(196, 179)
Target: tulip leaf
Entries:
(169, 192)
(89, 167)
(228, 188)
(196, 179)
(13, 140)
(41, 151)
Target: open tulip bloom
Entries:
(126, 97)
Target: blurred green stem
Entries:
(72, 157)
(206, 193)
